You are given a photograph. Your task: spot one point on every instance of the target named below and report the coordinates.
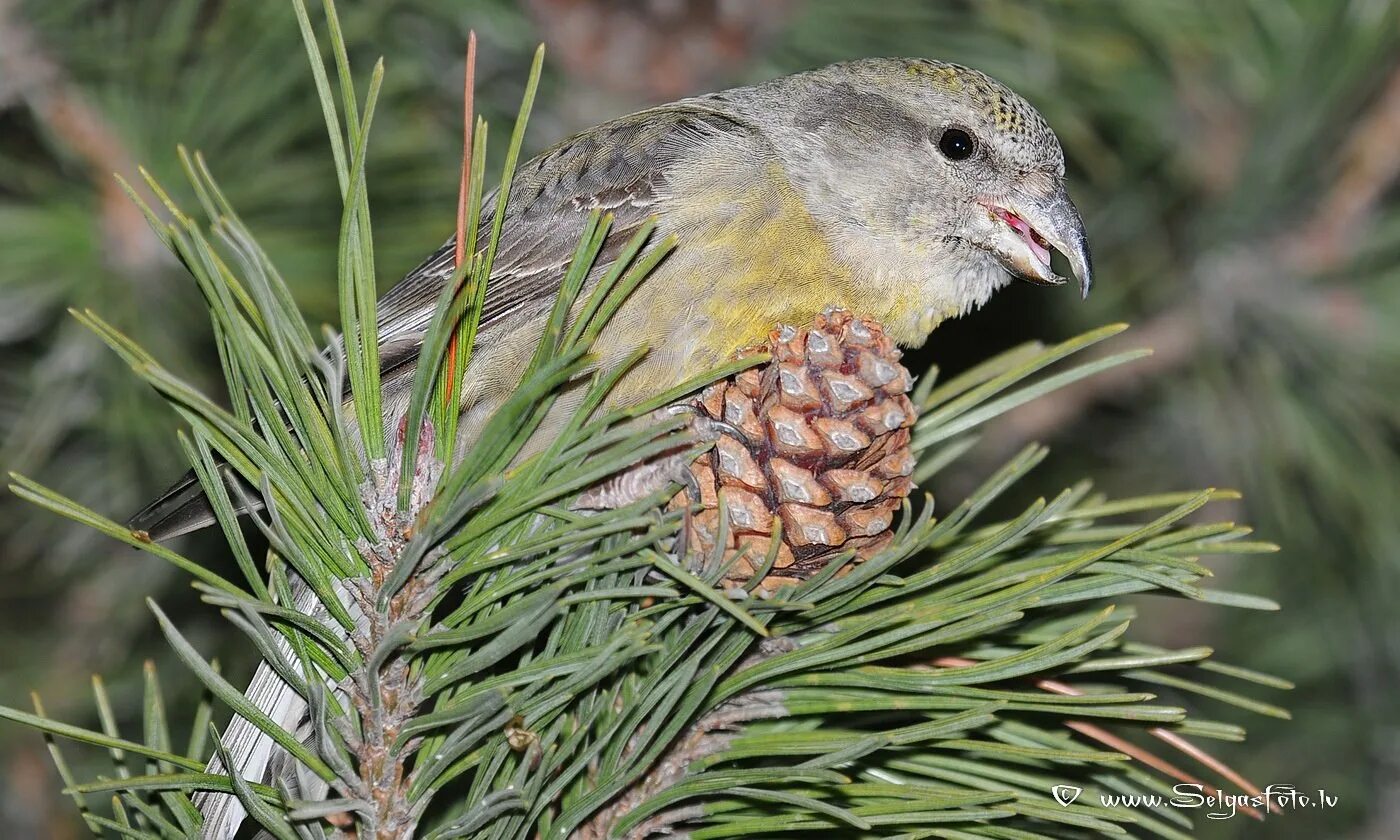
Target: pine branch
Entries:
(1369, 167)
(705, 738)
(386, 693)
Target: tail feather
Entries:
(250, 749)
(252, 752)
(182, 508)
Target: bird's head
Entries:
(934, 161)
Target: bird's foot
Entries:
(672, 467)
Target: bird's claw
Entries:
(708, 428)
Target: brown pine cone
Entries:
(824, 450)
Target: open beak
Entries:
(1029, 227)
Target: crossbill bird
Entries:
(906, 190)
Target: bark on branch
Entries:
(708, 736)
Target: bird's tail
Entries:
(255, 756)
(184, 507)
(251, 751)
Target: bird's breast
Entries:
(750, 256)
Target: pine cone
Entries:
(824, 450)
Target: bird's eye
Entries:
(956, 144)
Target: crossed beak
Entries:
(1028, 227)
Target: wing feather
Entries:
(619, 167)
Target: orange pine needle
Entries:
(469, 86)
(1113, 742)
(463, 190)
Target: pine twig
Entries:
(1128, 748)
(387, 694)
(708, 736)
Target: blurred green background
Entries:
(1236, 162)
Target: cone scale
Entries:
(816, 440)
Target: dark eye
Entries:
(956, 144)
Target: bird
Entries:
(908, 190)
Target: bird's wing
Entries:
(619, 167)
